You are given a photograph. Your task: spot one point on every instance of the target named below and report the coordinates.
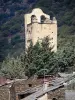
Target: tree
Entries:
(65, 59)
(38, 56)
(12, 68)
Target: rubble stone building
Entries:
(7, 92)
(39, 25)
(18, 89)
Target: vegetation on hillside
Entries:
(12, 22)
(12, 37)
(37, 59)
(12, 26)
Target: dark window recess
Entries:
(43, 18)
(33, 17)
(54, 99)
(30, 85)
(21, 96)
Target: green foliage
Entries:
(12, 68)
(13, 23)
(19, 1)
(40, 57)
(13, 26)
(10, 29)
(12, 1)
(36, 58)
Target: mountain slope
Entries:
(64, 11)
(12, 22)
(12, 26)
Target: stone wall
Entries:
(4, 93)
(7, 92)
(59, 94)
(13, 91)
(22, 85)
(37, 31)
(10, 91)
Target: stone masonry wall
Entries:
(4, 93)
(59, 94)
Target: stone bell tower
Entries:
(39, 25)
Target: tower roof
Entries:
(38, 13)
(37, 10)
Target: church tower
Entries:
(39, 25)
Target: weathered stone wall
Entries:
(7, 92)
(37, 31)
(4, 93)
(22, 85)
(59, 94)
(12, 92)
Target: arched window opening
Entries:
(43, 18)
(33, 17)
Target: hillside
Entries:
(12, 23)
(64, 11)
(12, 26)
